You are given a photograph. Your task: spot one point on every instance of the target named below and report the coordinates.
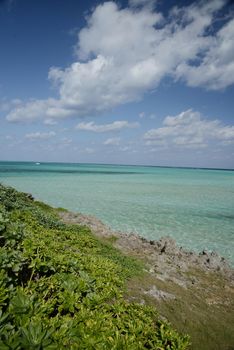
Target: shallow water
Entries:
(194, 206)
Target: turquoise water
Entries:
(194, 206)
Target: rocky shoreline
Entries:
(163, 257)
(195, 292)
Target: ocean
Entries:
(193, 206)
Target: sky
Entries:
(146, 82)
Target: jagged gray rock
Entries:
(164, 257)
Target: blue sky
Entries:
(131, 82)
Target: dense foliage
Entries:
(60, 287)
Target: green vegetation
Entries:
(61, 288)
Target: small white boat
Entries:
(38, 163)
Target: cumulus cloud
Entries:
(40, 135)
(190, 130)
(35, 109)
(216, 70)
(28, 111)
(115, 126)
(114, 141)
(124, 52)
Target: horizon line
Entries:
(116, 164)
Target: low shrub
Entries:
(61, 288)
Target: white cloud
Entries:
(6, 105)
(115, 126)
(142, 115)
(38, 109)
(66, 141)
(50, 122)
(9, 137)
(58, 110)
(40, 135)
(125, 149)
(124, 52)
(190, 130)
(216, 70)
(28, 111)
(158, 143)
(112, 141)
(89, 150)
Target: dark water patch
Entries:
(221, 216)
(65, 171)
(217, 216)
